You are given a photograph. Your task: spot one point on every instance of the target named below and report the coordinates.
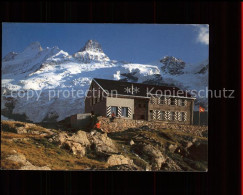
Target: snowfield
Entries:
(44, 78)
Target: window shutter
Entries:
(158, 114)
(153, 100)
(108, 111)
(176, 116)
(169, 115)
(159, 100)
(154, 114)
(119, 111)
(166, 115)
(185, 102)
(179, 116)
(185, 116)
(169, 101)
(129, 112)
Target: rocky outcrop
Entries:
(91, 52)
(20, 158)
(76, 148)
(102, 144)
(76, 143)
(81, 138)
(172, 65)
(170, 165)
(92, 45)
(150, 154)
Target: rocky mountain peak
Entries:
(172, 65)
(34, 46)
(92, 45)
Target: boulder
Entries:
(75, 148)
(29, 166)
(131, 142)
(21, 130)
(60, 138)
(80, 137)
(189, 144)
(172, 147)
(75, 143)
(19, 158)
(118, 160)
(102, 144)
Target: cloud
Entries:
(203, 33)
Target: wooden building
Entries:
(139, 101)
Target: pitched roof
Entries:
(125, 88)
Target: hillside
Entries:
(28, 146)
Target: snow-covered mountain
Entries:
(36, 82)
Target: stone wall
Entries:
(124, 124)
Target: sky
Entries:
(136, 43)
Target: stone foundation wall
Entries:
(124, 124)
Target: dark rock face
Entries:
(92, 45)
(9, 56)
(157, 80)
(34, 46)
(172, 65)
(198, 151)
(129, 77)
(203, 70)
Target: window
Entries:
(173, 116)
(183, 102)
(184, 116)
(173, 100)
(151, 114)
(115, 110)
(139, 105)
(162, 115)
(162, 100)
(124, 111)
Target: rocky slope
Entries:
(37, 83)
(28, 146)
